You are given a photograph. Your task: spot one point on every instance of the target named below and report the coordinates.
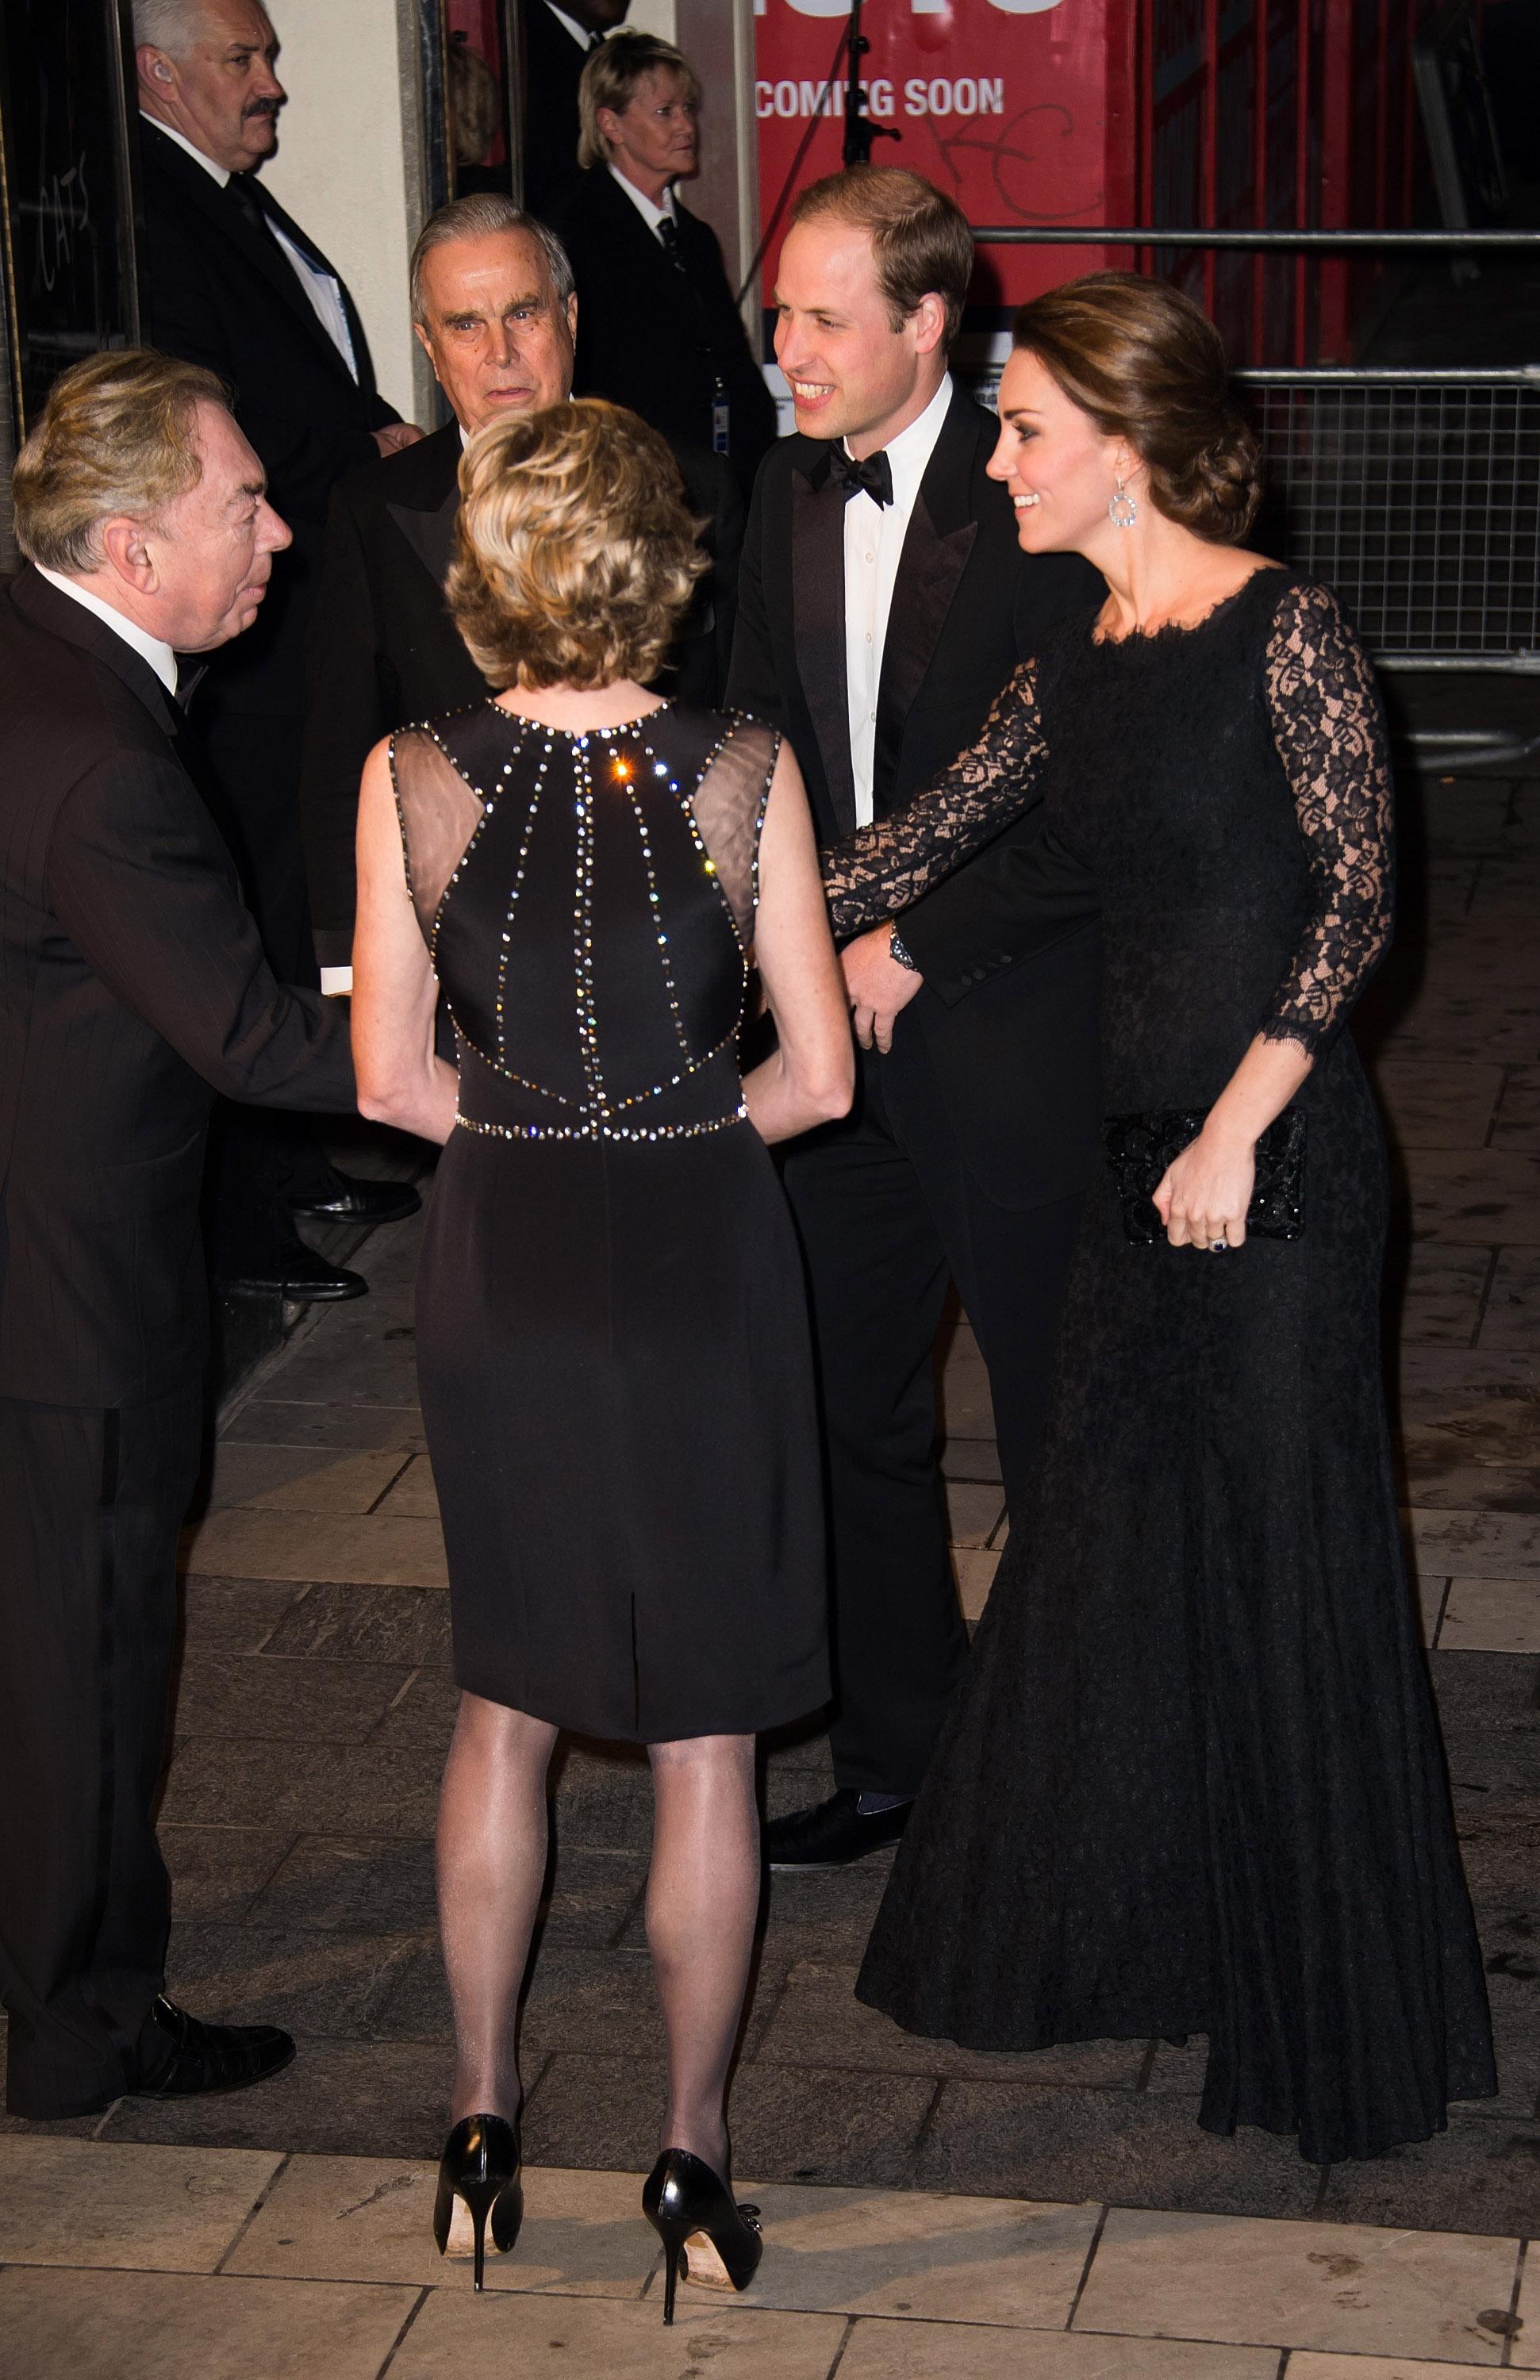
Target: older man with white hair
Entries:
(493, 306)
(234, 283)
(135, 991)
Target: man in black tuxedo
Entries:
(883, 603)
(557, 39)
(658, 328)
(236, 286)
(135, 991)
(492, 304)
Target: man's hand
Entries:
(876, 985)
(397, 434)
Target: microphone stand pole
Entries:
(860, 131)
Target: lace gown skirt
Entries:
(1192, 1781)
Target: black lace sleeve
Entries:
(1329, 732)
(890, 864)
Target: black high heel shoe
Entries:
(705, 2233)
(481, 2165)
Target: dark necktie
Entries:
(875, 475)
(668, 240)
(244, 198)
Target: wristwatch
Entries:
(901, 950)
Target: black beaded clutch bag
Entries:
(1140, 1147)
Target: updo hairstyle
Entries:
(1147, 365)
(575, 556)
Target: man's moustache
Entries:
(261, 107)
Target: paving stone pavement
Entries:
(932, 2210)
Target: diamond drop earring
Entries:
(1122, 510)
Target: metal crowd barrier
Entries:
(1415, 493)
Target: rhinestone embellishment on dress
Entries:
(615, 772)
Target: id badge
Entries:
(720, 426)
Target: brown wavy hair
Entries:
(574, 553)
(1147, 365)
(920, 237)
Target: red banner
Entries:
(1021, 110)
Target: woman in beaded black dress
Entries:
(1193, 1780)
(611, 1336)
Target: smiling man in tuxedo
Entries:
(234, 285)
(883, 602)
(492, 304)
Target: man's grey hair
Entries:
(169, 25)
(481, 217)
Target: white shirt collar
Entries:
(909, 453)
(584, 39)
(653, 216)
(160, 657)
(218, 173)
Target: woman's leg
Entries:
(492, 1855)
(703, 1900)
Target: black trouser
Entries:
(259, 1158)
(886, 1208)
(92, 1501)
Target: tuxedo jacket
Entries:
(132, 989)
(224, 294)
(657, 339)
(1008, 1030)
(554, 69)
(384, 649)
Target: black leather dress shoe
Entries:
(357, 1201)
(833, 1834)
(179, 2054)
(300, 1273)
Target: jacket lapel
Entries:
(262, 254)
(429, 525)
(306, 247)
(936, 549)
(63, 617)
(818, 626)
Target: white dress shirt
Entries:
(160, 657)
(584, 41)
(323, 289)
(874, 542)
(651, 215)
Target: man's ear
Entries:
(125, 553)
(572, 318)
(156, 73)
(930, 318)
(426, 346)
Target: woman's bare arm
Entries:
(811, 1075)
(402, 1080)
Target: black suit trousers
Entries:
(93, 1501)
(886, 1208)
(261, 1158)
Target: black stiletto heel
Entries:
(481, 2165)
(705, 2234)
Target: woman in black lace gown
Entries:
(611, 1336)
(1193, 1780)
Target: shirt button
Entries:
(869, 636)
(871, 557)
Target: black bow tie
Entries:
(875, 474)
